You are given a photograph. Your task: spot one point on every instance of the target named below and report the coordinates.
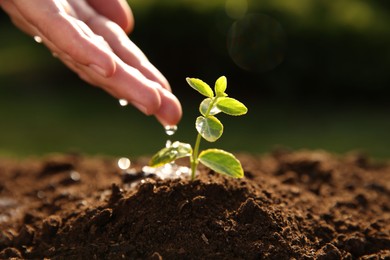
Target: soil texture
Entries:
(289, 205)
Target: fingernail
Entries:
(99, 70)
(141, 107)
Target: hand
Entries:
(90, 37)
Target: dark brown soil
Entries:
(290, 205)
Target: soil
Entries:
(289, 205)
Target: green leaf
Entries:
(220, 86)
(204, 106)
(231, 106)
(210, 128)
(222, 162)
(166, 155)
(202, 87)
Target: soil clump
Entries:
(289, 205)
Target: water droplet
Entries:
(148, 169)
(176, 144)
(123, 102)
(37, 39)
(170, 129)
(75, 176)
(168, 171)
(124, 163)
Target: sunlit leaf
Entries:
(231, 106)
(210, 128)
(202, 87)
(166, 155)
(220, 86)
(204, 106)
(222, 162)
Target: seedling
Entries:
(209, 128)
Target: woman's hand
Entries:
(90, 37)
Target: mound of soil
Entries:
(302, 205)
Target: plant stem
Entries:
(194, 157)
(195, 153)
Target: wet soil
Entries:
(290, 205)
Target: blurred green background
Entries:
(314, 74)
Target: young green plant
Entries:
(209, 128)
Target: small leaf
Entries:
(231, 106)
(204, 106)
(220, 86)
(222, 162)
(202, 87)
(210, 128)
(166, 155)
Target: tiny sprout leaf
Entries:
(210, 128)
(222, 162)
(202, 87)
(231, 106)
(166, 155)
(204, 106)
(220, 86)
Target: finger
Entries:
(166, 107)
(142, 94)
(127, 83)
(131, 85)
(117, 11)
(126, 49)
(16, 18)
(73, 38)
(170, 111)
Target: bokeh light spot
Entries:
(257, 42)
